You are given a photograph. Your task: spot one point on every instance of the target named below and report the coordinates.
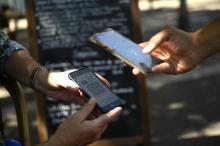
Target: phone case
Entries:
(80, 71)
(94, 39)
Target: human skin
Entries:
(182, 51)
(19, 66)
(77, 130)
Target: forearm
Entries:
(19, 65)
(207, 39)
(15, 60)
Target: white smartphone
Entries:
(124, 49)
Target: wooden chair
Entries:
(17, 95)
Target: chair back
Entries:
(16, 92)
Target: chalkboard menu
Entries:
(62, 29)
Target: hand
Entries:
(77, 130)
(59, 86)
(177, 49)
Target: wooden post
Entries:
(41, 122)
(143, 98)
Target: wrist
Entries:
(54, 141)
(38, 78)
(206, 41)
(201, 50)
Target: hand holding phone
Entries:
(124, 49)
(92, 86)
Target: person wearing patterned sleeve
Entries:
(6, 48)
(77, 130)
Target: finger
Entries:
(91, 117)
(164, 67)
(125, 64)
(157, 40)
(136, 72)
(82, 100)
(101, 131)
(69, 71)
(69, 95)
(95, 113)
(143, 45)
(85, 111)
(103, 80)
(75, 90)
(70, 83)
(108, 117)
(60, 80)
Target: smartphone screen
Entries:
(92, 86)
(124, 49)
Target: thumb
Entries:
(157, 40)
(85, 111)
(108, 117)
(164, 67)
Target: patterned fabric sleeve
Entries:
(7, 47)
(3, 39)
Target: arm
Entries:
(15, 60)
(207, 39)
(182, 51)
(19, 65)
(76, 130)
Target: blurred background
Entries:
(184, 109)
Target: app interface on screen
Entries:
(125, 47)
(95, 88)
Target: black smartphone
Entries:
(92, 86)
(124, 49)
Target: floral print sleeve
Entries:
(7, 47)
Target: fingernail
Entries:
(148, 48)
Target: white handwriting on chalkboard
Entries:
(68, 24)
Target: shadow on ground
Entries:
(184, 111)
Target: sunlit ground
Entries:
(183, 107)
(193, 5)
